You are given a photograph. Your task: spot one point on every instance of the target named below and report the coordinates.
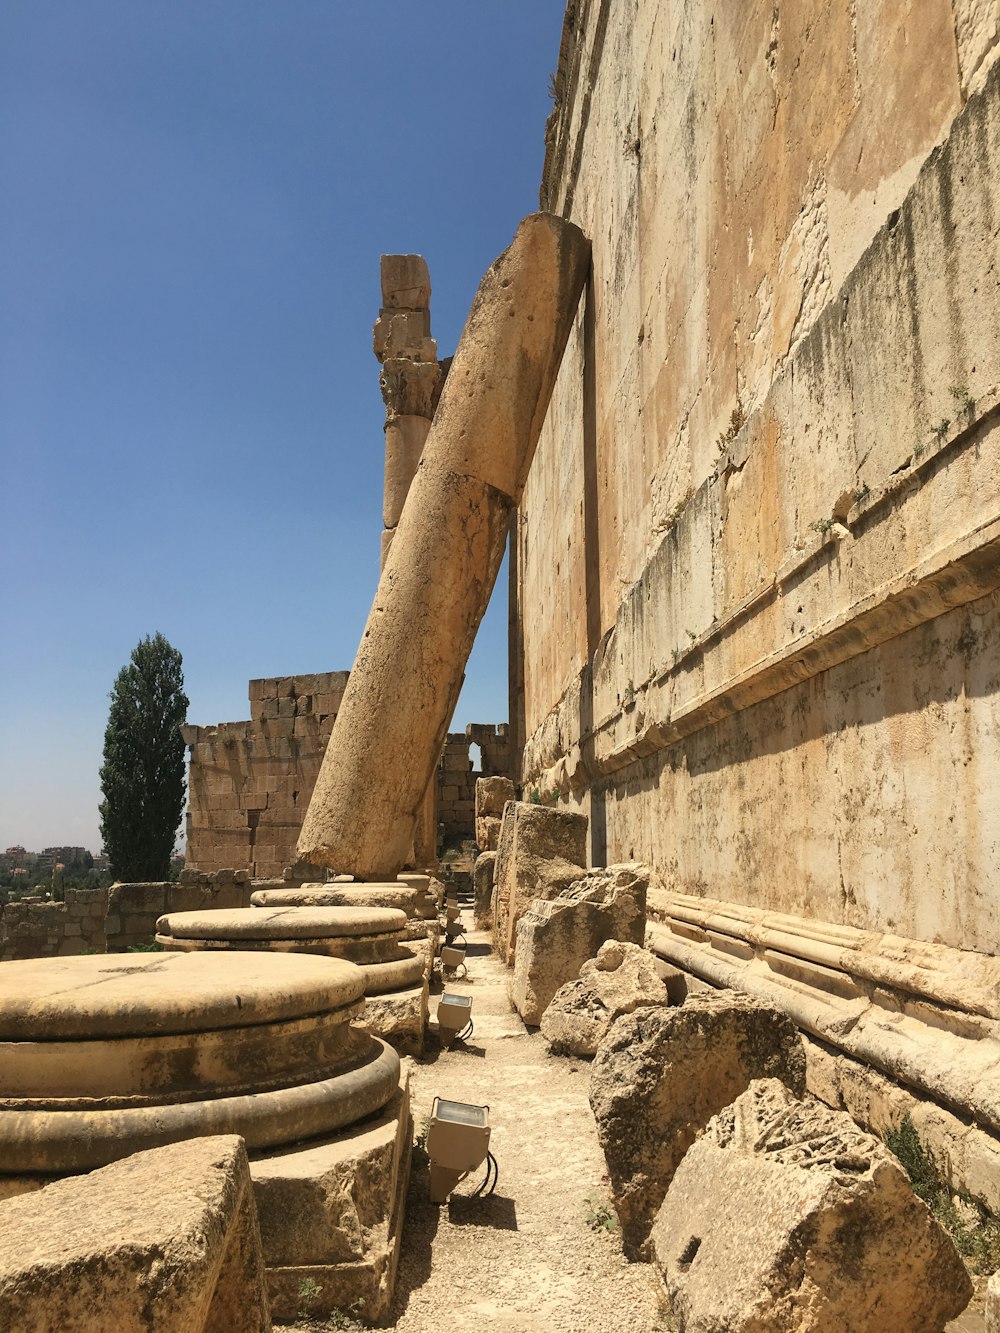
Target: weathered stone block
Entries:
(785, 1216)
(555, 938)
(659, 1076)
(406, 282)
(331, 1216)
(166, 1239)
(482, 888)
(492, 794)
(621, 979)
(540, 852)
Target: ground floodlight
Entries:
(451, 901)
(452, 957)
(454, 1016)
(452, 931)
(458, 1140)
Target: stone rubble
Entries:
(784, 1217)
(166, 1239)
(659, 1076)
(556, 937)
(621, 979)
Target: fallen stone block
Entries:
(492, 794)
(540, 853)
(621, 979)
(331, 1213)
(556, 937)
(659, 1076)
(482, 889)
(166, 1239)
(785, 1216)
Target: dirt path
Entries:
(526, 1258)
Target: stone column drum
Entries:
(105, 1056)
(445, 555)
(395, 977)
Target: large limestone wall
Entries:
(756, 562)
(249, 783)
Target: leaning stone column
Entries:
(411, 382)
(445, 554)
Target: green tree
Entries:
(142, 776)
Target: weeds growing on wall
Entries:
(974, 1231)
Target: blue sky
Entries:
(195, 196)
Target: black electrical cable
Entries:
(491, 1164)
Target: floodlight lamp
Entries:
(458, 1141)
(454, 1016)
(453, 912)
(452, 957)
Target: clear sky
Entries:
(195, 196)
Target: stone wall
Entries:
(133, 909)
(457, 778)
(754, 586)
(33, 928)
(249, 783)
(113, 920)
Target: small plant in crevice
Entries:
(536, 796)
(628, 696)
(918, 449)
(553, 88)
(600, 1216)
(152, 947)
(974, 1231)
(862, 493)
(961, 395)
(941, 429)
(822, 526)
(737, 420)
(673, 515)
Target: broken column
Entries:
(445, 554)
(411, 382)
(784, 1216)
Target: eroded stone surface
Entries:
(621, 979)
(541, 851)
(167, 1239)
(784, 1216)
(492, 794)
(122, 995)
(482, 889)
(555, 938)
(660, 1075)
(274, 922)
(331, 1212)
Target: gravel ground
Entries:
(525, 1258)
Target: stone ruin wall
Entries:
(457, 777)
(249, 782)
(755, 608)
(111, 920)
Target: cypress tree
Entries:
(142, 776)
